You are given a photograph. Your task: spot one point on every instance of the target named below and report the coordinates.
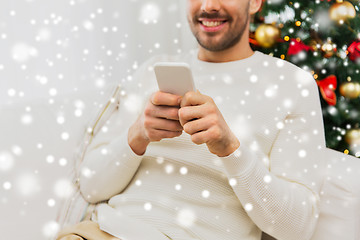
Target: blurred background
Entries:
(322, 37)
(59, 58)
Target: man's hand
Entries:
(201, 118)
(160, 119)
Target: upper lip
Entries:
(211, 20)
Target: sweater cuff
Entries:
(121, 148)
(240, 161)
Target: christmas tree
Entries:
(322, 37)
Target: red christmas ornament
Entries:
(327, 88)
(354, 51)
(253, 41)
(297, 46)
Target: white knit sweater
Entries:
(181, 190)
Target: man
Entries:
(240, 156)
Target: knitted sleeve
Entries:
(282, 198)
(109, 163)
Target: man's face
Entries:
(218, 24)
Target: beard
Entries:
(228, 40)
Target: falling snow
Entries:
(7, 161)
(57, 65)
(186, 217)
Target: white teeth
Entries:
(211, 24)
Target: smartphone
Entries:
(174, 77)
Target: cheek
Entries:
(190, 8)
(193, 7)
(240, 16)
(190, 22)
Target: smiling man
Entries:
(239, 158)
(222, 28)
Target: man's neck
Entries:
(237, 52)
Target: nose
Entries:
(210, 5)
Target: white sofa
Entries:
(35, 160)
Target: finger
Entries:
(187, 114)
(171, 113)
(211, 134)
(194, 98)
(198, 125)
(162, 124)
(157, 135)
(200, 137)
(165, 112)
(165, 99)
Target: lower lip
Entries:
(212, 29)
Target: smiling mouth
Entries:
(212, 26)
(212, 23)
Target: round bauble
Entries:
(267, 35)
(353, 137)
(350, 90)
(354, 51)
(342, 11)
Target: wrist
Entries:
(230, 148)
(137, 142)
